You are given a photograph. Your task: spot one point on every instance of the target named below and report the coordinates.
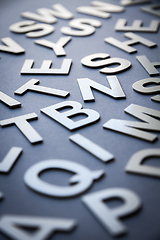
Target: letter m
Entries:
(134, 128)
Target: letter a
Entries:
(9, 225)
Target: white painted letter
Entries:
(11, 225)
(92, 62)
(46, 67)
(100, 9)
(135, 163)
(48, 15)
(24, 126)
(12, 46)
(87, 84)
(139, 87)
(29, 27)
(85, 27)
(133, 128)
(83, 177)
(125, 46)
(63, 118)
(108, 217)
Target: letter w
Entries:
(48, 15)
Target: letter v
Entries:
(12, 46)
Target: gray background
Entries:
(19, 199)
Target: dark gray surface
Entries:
(18, 198)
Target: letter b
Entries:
(63, 118)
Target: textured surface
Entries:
(18, 198)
